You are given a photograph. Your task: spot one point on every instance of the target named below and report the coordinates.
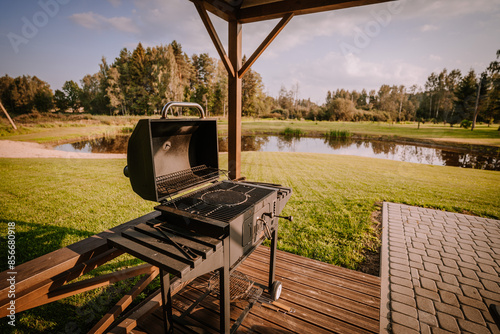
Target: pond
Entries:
(358, 147)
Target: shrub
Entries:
(465, 124)
(289, 132)
(336, 134)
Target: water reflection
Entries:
(116, 144)
(344, 146)
(248, 143)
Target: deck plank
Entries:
(326, 299)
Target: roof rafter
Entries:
(220, 8)
(278, 9)
(215, 38)
(263, 46)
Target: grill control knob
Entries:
(125, 171)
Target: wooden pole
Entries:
(234, 101)
(7, 114)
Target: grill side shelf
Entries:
(149, 255)
(206, 240)
(198, 248)
(164, 248)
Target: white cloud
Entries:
(91, 20)
(87, 20)
(428, 27)
(435, 58)
(115, 3)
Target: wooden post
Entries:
(7, 114)
(234, 101)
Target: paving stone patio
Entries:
(439, 270)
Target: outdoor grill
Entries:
(206, 223)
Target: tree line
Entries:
(141, 81)
(448, 97)
(137, 82)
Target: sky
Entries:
(394, 43)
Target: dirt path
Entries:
(22, 149)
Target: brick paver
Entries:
(440, 271)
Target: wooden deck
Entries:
(326, 299)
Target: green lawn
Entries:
(56, 202)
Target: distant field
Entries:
(67, 129)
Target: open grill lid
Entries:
(168, 156)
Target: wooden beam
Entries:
(45, 269)
(7, 114)
(263, 46)
(215, 38)
(219, 8)
(39, 294)
(130, 320)
(123, 303)
(98, 282)
(234, 102)
(277, 9)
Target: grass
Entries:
(56, 202)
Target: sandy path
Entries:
(22, 149)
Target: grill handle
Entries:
(169, 105)
(272, 215)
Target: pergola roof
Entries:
(246, 11)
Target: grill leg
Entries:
(225, 298)
(272, 260)
(167, 301)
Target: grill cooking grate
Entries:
(170, 183)
(247, 197)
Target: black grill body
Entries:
(205, 224)
(244, 223)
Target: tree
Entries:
(43, 100)
(139, 85)
(203, 82)
(492, 103)
(164, 77)
(89, 91)
(220, 90)
(25, 94)
(115, 93)
(252, 95)
(60, 100)
(465, 95)
(72, 93)
(185, 68)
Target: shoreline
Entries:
(24, 149)
(27, 149)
